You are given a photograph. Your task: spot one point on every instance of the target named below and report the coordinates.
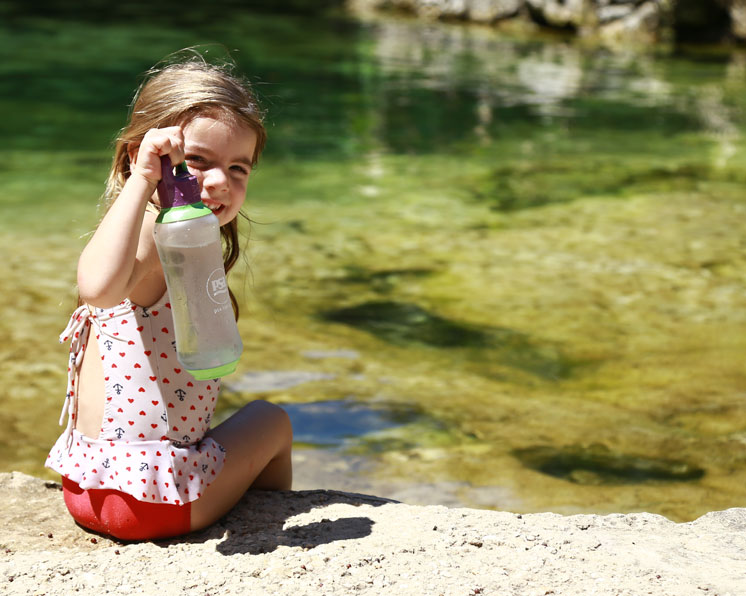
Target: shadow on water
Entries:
(409, 325)
(597, 464)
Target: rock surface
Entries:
(609, 20)
(327, 542)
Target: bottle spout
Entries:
(176, 190)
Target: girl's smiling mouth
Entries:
(213, 206)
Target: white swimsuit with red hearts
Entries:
(152, 443)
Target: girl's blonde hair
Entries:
(172, 94)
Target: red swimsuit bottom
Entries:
(121, 516)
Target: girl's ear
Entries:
(132, 154)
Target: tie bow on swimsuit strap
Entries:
(77, 332)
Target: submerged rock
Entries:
(405, 324)
(599, 465)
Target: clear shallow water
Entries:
(533, 250)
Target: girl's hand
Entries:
(145, 160)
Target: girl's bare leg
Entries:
(258, 441)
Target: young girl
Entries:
(138, 458)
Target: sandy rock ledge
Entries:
(326, 542)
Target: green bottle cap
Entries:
(206, 374)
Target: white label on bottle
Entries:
(217, 287)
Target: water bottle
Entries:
(187, 236)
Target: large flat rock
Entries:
(326, 542)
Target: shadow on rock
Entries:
(262, 521)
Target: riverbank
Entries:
(328, 542)
(646, 21)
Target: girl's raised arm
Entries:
(121, 260)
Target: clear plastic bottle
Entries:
(187, 235)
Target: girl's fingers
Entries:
(157, 142)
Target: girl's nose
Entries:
(215, 179)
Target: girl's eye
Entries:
(196, 159)
(241, 170)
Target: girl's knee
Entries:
(276, 416)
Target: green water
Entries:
(533, 249)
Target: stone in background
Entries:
(708, 21)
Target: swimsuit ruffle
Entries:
(151, 471)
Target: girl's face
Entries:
(219, 153)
